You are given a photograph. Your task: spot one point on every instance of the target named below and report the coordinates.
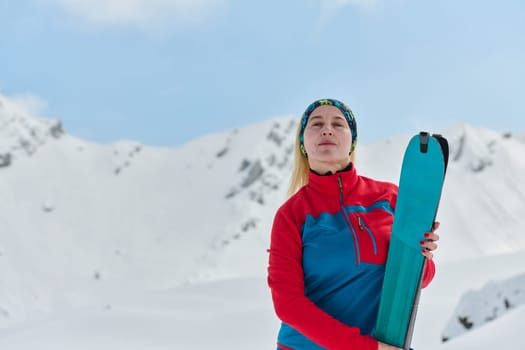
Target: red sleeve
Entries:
(286, 280)
(430, 271)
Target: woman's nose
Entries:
(327, 131)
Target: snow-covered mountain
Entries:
(21, 133)
(80, 219)
(478, 307)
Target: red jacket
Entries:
(327, 254)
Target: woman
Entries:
(330, 240)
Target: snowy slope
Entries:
(75, 213)
(480, 306)
(439, 301)
(85, 224)
(506, 332)
(233, 314)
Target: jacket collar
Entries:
(330, 184)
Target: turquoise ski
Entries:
(420, 186)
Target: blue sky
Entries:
(163, 72)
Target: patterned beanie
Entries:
(330, 102)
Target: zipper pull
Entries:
(360, 223)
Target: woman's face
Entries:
(327, 139)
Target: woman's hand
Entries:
(383, 346)
(429, 244)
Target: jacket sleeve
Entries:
(430, 271)
(286, 280)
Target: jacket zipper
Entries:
(362, 226)
(349, 224)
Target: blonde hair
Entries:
(301, 166)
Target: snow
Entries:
(505, 332)
(127, 246)
(216, 315)
(439, 300)
(478, 307)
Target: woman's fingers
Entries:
(428, 254)
(431, 237)
(429, 243)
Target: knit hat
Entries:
(330, 102)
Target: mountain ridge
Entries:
(146, 217)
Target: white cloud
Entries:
(141, 13)
(330, 9)
(336, 4)
(32, 104)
